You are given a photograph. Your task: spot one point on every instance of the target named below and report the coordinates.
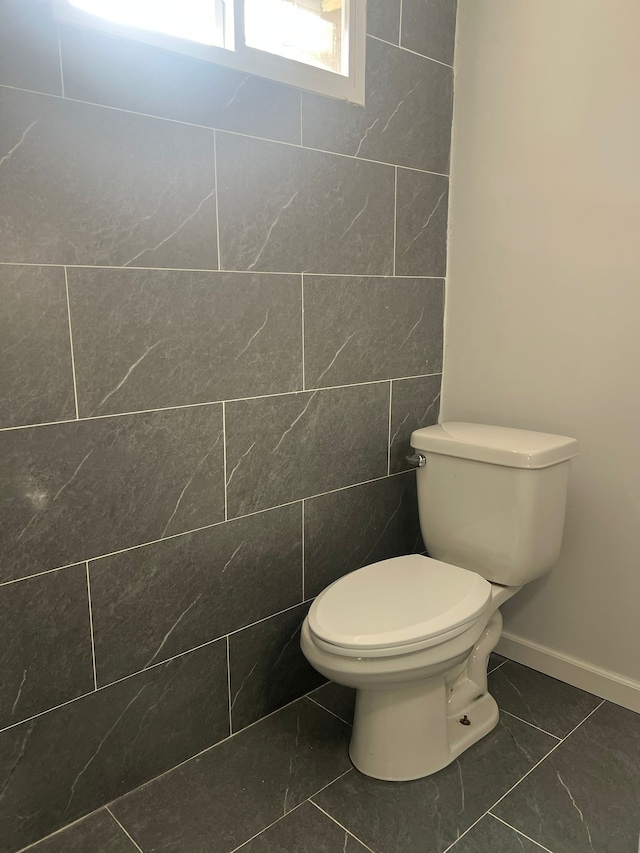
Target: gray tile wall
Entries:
(222, 307)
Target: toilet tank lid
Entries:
(514, 448)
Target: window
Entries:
(317, 45)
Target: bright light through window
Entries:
(195, 20)
(309, 31)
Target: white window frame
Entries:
(248, 59)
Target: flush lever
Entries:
(417, 460)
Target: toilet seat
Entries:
(397, 606)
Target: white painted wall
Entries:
(543, 300)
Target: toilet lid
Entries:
(397, 602)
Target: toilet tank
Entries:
(492, 499)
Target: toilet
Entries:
(413, 634)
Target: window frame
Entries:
(247, 59)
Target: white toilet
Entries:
(413, 634)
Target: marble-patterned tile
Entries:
(351, 528)
(98, 832)
(148, 339)
(427, 815)
(36, 377)
(287, 209)
(100, 186)
(406, 119)
(364, 329)
(281, 449)
(495, 661)
(80, 489)
(133, 76)
(222, 798)
(491, 836)
(546, 702)
(157, 601)
(584, 797)
(70, 761)
(383, 19)
(429, 28)
(421, 230)
(267, 667)
(305, 830)
(338, 699)
(45, 643)
(29, 57)
(415, 403)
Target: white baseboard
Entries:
(602, 682)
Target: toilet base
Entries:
(404, 733)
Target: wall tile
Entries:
(352, 528)
(36, 377)
(288, 209)
(146, 339)
(222, 798)
(29, 56)
(383, 19)
(429, 27)
(415, 403)
(267, 667)
(70, 761)
(45, 643)
(281, 449)
(98, 832)
(88, 185)
(80, 489)
(363, 329)
(406, 120)
(154, 602)
(421, 230)
(133, 76)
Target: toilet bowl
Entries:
(398, 631)
(413, 634)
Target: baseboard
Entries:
(602, 682)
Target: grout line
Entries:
(252, 273)
(233, 132)
(495, 668)
(204, 527)
(62, 829)
(215, 177)
(286, 814)
(407, 49)
(544, 731)
(229, 685)
(303, 578)
(224, 458)
(93, 647)
(60, 62)
(359, 840)
(155, 666)
(524, 835)
(73, 360)
(395, 218)
(304, 377)
(216, 402)
(131, 839)
(537, 764)
(389, 438)
(328, 710)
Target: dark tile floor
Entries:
(561, 773)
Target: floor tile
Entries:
(546, 702)
(586, 795)
(337, 699)
(495, 661)
(491, 836)
(217, 801)
(427, 815)
(99, 832)
(305, 830)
